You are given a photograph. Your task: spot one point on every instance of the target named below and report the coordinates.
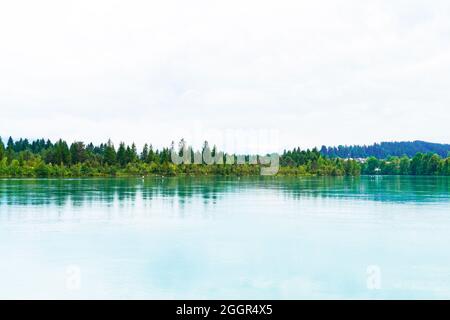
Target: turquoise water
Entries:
(221, 238)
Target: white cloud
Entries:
(316, 72)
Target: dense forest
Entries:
(419, 164)
(43, 158)
(385, 150)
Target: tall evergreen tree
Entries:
(2, 150)
(78, 152)
(121, 154)
(151, 155)
(10, 149)
(109, 153)
(131, 154)
(61, 153)
(144, 153)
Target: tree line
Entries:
(44, 158)
(421, 164)
(384, 150)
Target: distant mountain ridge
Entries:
(384, 150)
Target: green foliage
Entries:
(372, 166)
(42, 158)
(109, 156)
(419, 165)
(2, 150)
(59, 154)
(385, 150)
(404, 166)
(78, 153)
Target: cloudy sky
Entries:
(273, 73)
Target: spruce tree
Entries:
(109, 154)
(2, 149)
(121, 154)
(144, 153)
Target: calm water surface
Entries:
(218, 238)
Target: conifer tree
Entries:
(109, 154)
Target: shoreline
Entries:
(137, 177)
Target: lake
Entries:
(221, 238)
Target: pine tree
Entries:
(61, 153)
(144, 153)
(10, 150)
(151, 155)
(109, 153)
(2, 150)
(121, 155)
(78, 152)
(134, 155)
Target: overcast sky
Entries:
(273, 73)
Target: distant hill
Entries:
(385, 149)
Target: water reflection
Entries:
(249, 238)
(78, 192)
